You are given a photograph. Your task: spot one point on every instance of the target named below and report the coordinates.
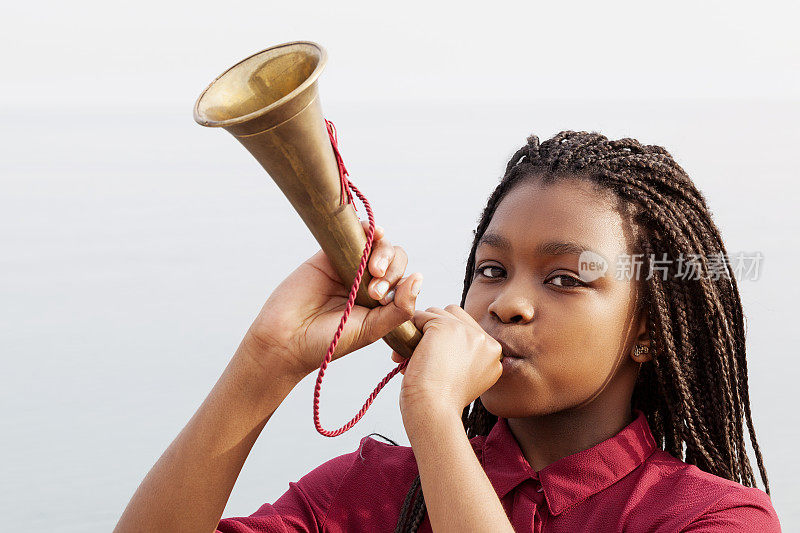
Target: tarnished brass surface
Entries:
(270, 103)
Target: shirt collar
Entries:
(575, 477)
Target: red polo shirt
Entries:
(624, 483)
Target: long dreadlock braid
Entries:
(694, 392)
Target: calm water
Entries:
(136, 247)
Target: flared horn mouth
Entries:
(259, 86)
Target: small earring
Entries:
(639, 349)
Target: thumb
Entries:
(384, 318)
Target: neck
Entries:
(547, 438)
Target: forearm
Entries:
(458, 494)
(188, 487)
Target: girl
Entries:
(564, 393)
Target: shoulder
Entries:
(378, 458)
(303, 507)
(381, 458)
(374, 488)
(308, 502)
(371, 486)
(363, 490)
(372, 463)
(376, 461)
(695, 500)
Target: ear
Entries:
(642, 339)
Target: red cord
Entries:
(346, 186)
(340, 163)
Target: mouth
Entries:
(510, 352)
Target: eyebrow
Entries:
(553, 248)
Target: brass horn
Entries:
(270, 103)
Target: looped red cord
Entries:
(340, 163)
(346, 186)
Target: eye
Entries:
(571, 281)
(480, 270)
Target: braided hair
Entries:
(694, 391)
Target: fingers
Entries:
(382, 251)
(384, 318)
(459, 312)
(380, 287)
(407, 290)
(421, 318)
(401, 301)
(397, 358)
(387, 264)
(381, 254)
(466, 318)
(379, 231)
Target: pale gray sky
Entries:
(157, 53)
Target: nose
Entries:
(512, 307)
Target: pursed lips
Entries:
(508, 351)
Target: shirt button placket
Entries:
(528, 500)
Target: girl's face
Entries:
(574, 335)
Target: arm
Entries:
(458, 495)
(190, 484)
(188, 487)
(454, 362)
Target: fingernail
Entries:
(383, 264)
(381, 287)
(390, 296)
(416, 287)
